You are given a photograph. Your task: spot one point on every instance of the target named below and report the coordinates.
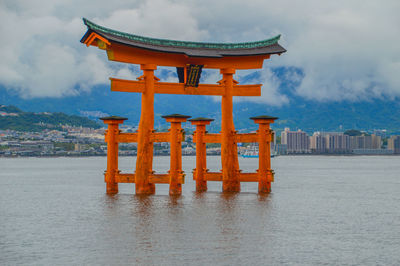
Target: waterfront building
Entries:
(337, 142)
(394, 144)
(365, 142)
(329, 142)
(296, 141)
(318, 143)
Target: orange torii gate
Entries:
(189, 58)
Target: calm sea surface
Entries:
(323, 210)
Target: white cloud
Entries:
(270, 94)
(41, 54)
(347, 49)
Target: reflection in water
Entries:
(175, 201)
(144, 227)
(228, 222)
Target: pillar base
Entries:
(176, 190)
(230, 186)
(201, 186)
(264, 188)
(147, 189)
(112, 188)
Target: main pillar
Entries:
(112, 151)
(229, 155)
(144, 161)
(201, 156)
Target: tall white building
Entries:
(295, 141)
(318, 143)
(329, 142)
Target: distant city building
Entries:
(329, 142)
(394, 144)
(296, 141)
(318, 143)
(337, 142)
(365, 142)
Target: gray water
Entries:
(323, 210)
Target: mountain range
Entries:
(14, 118)
(299, 113)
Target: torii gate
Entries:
(189, 58)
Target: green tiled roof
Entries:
(183, 44)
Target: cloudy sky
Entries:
(347, 49)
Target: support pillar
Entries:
(144, 161)
(112, 152)
(265, 174)
(175, 171)
(229, 155)
(201, 155)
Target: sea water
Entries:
(335, 210)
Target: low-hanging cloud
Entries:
(347, 50)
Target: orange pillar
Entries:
(201, 155)
(144, 161)
(175, 171)
(264, 152)
(112, 152)
(229, 156)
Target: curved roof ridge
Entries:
(186, 44)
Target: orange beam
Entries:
(212, 138)
(159, 179)
(161, 137)
(165, 179)
(154, 178)
(243, 177)
(213, 176)
(125, 85)
(247, 137)
(122, 53)
(91, 40)
(125, 178)
(248, 177)
(127, 137)
(179, 88)
(154, 137)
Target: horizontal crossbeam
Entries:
(247, 137)
(154, 178)
(124, 85)
(127, 137)
(240, 138)
(243, 177)
(154, 137)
